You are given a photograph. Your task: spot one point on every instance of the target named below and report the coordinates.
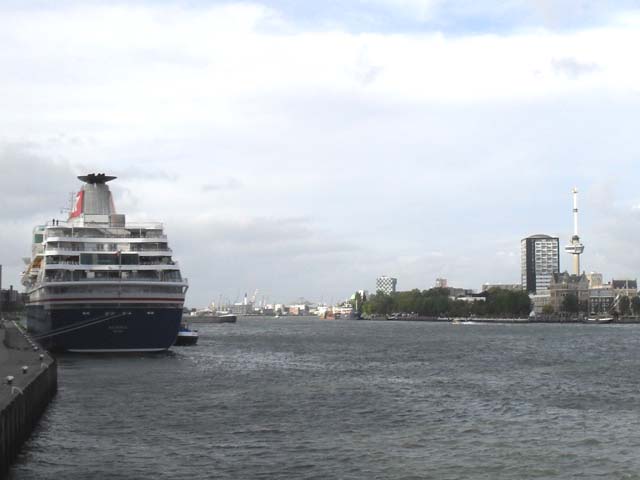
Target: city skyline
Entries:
(304, 151)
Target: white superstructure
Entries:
(97, 254)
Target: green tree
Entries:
(380, 303)
(570, 303)
(547, 309)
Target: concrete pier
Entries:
(25, 398)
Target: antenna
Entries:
(575, 210)
(72, 201)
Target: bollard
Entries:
(9, 379)
(41, 357)
(25, 369)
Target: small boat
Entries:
(599, 320)
(228, 318)
(186, 336)
(210, 318)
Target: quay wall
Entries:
(22, 402)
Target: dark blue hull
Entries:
(104, 328)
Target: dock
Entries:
(28, 382)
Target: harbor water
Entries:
(310, 399)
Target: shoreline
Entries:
(498, 321)
(26, 397)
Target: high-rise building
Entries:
(540, 259)
(595, 279)
(386, 284)
(441, 283)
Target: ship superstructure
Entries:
(97, 283)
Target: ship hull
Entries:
(104, 329)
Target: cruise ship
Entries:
(97, 283)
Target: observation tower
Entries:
(575, 248)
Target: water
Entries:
(311, 399)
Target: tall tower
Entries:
(576, 248)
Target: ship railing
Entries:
(116, 280)
(102, 250)
(145, 225)
(123, 265)
(74, 224)
(100, 235)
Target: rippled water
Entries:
(300, 399)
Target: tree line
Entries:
(436, 302)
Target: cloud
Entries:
(28, 181)
(228, 184)
(283, 257)
(307, 160)
(421, 10)
(572, 68)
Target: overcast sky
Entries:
(304, 148)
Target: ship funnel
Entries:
(95, 197)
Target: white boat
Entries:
(186, 336)
(599, 320)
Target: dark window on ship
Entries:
(130, 259)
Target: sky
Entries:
(302, 149)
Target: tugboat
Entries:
(186, 336)
(98, 283)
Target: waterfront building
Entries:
(386, 284)
(601, 299)
(563, 284)
(539, 301)
(513, 287)
(595, 279)
(242, 308)
(11, 300)
(343, 312)
(299, 309)
(476, 297)
(540, 260)
(623, 288)
(455, 292)
(441, 283)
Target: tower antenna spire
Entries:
(575, 248)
